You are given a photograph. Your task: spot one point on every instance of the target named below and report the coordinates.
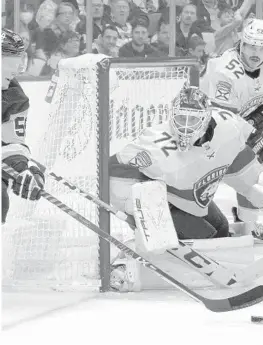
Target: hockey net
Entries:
(97, 101)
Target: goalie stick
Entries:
(243, 300)
(207, 267)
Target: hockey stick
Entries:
(209, 268)
(243, 300)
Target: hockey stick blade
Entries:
(246, 299)
(207, 267)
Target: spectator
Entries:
(227, 36)
(69, 46)
(99, 20)
(46, 13)
(207, 13)
(164, 8)
(120, 11)
(163, 37)
(185, 28)
(82, 7)
(97, 16)
(150, 6)
(196, 48)
(26, 16)
(106, 43)
(25, 35)
(138, 46)
(50, 37)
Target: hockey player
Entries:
(237, 84)
(15, 106)
(237, 78)
(191, 154)
(237, 74)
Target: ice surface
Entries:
(133, 318)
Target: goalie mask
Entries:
(251, 48)
(191, 114)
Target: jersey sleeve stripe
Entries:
(243, 202)
(15, 149)
(243, 160)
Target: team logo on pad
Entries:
(206, 187)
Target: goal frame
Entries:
(103, 104)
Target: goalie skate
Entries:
(125, 273)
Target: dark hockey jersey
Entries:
(255, 141)
(15, 105)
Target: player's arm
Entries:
(16, 154)
(255, 140)
(244, 176)
(245, 7)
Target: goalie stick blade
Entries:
(243, 300)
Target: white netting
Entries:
(42, 245)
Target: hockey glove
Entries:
(29, 183)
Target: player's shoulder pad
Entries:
(227, 118)
(224, 64)
(14, 100)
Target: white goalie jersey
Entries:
(192, 177)
(227, 84)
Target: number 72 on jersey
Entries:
(166, 143)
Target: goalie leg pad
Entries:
(155, 229)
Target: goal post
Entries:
(98, 106)
(157, 69)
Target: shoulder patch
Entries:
(141, 160)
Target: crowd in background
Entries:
(56, 29)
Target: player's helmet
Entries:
(12, 43)
(251, 47)
(191, 114)
(253, 33)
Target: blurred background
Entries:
(55, 29)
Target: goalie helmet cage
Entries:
(99, 105)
